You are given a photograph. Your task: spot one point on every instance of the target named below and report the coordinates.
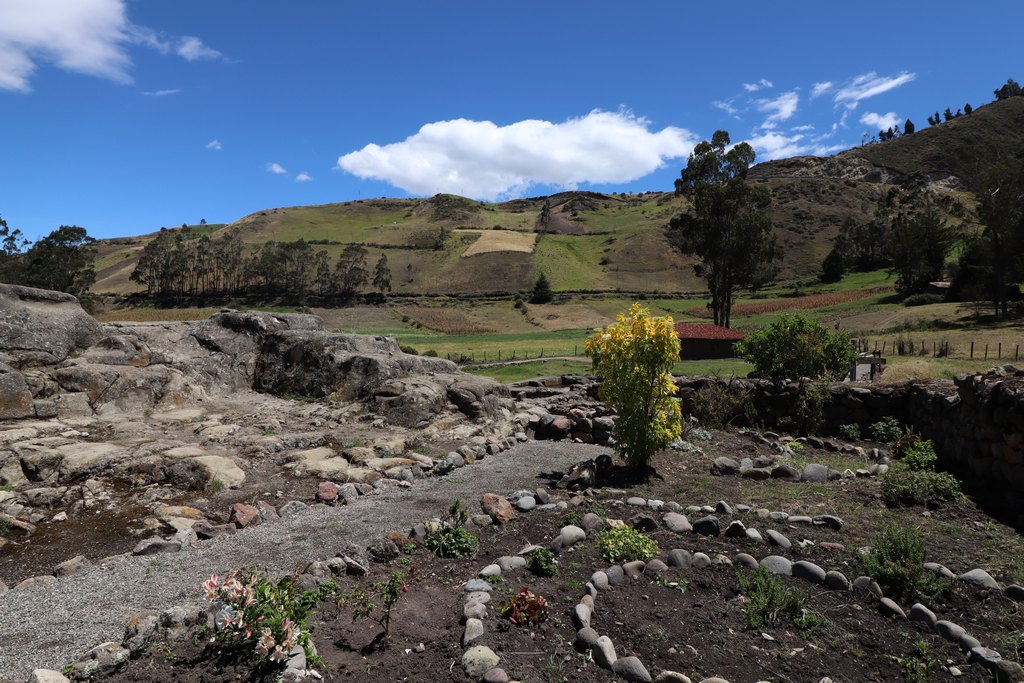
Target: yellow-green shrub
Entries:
(634, 358)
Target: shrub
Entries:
(769, 600)
(796, 346)
(542, 562)
(903, 487)
(895, 560)
(923, 299)
(717, 405)
(430, 353)
(411, 350)
(907, 440)
(541, 293)
(266, 618)
(850, 432)
(809, 409)
(524, 608)
(634, 357)
(625, 544)
(886, 430)
(920, 456)
(452, 539)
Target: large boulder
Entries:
(40, 327)
(15, 397)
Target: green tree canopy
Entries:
(795, 347)
(541, 293)
(727, 228)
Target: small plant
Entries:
(214, 486)
(769, 601)
(148, 412)
(625, 544)
(267, 619)
(904, 442)
(543, 562)
(524, 608)
(716, 404)
(903, 487)
(895, 560)
(917, 666)
(809, 409)
(389, 591)
(797, 446)
(850, 432)
(452, 539)
(886, 430)
(920, 456)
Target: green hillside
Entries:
(603, 243)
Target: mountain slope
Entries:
(596, 242)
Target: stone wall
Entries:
(976, 421)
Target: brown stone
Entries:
(244, 515)
(327, 492)
(498, 507)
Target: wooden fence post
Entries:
(972, 350)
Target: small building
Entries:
(698, 341)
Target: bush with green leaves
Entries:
(795, 346)
(263, 618)
(850, 432)
(886, 430)
(920, 456)
(452, 539)
(634, 358)
(770, 602)
(895, 560)
(718, 404)
(625, 544)
(903, 487)
(542, 562)
(389, 591)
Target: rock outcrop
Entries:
(40, 327)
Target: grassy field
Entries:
(499, 240)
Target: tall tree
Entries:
(12, 242)
(541, 293)
(1010, 89)
(909, 127)
(63, 260)
(350, 272)
(1001, 210)
(727, 228)
(920, 238)
(382, 276)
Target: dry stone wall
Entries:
(976, 421)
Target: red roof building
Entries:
(698, 341)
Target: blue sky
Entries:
(123, 116)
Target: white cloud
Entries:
(819, 89)
(726, 106)
(779, 109)
(881, 121)
(868, 85)
(84, 36)
(804, 128)
(754, 87)
(484, 160)
(274, 167)
(303, 177)
(775, 145)
(192, 49)
(162, 93)
(215, 145)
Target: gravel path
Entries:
(49, 626)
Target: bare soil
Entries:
(687, 620)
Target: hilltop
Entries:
(587, 241)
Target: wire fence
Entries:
(936, 348)
(471, 357)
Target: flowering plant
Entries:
(252, 612)
(524, 607)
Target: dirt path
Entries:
(49, 626)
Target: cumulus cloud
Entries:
(780, 108)
(880, 121)
(760, 85)
(192, 49)
(84, 36)
(215, 145)
(819, 89)
(303, 177)
(484, 160)
(868, 85)
(162, 93)
(274, 167)
(773, 144)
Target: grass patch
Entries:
(517, 372)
